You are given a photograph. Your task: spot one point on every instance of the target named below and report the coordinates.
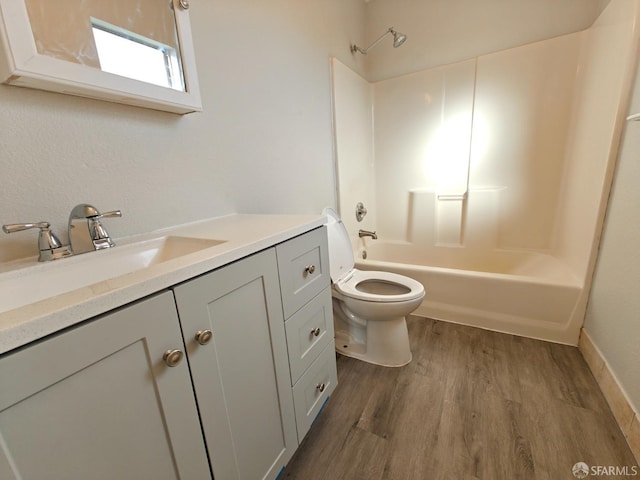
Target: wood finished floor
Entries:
(472, 404)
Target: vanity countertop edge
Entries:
(243, 235)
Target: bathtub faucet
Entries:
(367, 233)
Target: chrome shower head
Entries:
(398, 39)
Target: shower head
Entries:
(398, 39)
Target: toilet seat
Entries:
(349, 286)
(346, 278)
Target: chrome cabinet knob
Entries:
(310, 269)
(172, 357)
(315, 332)
(321, 387)
(204, 336)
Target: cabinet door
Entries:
(241, 377)
(98, 402)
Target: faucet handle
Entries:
(17, 227)
(46, 240)
(101, 239)
(115, 213)
(49, 245)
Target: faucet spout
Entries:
(86, 232)
(367, 233)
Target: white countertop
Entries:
(242, 234)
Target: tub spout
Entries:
(367, 233)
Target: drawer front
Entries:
(313, 389)
(303, 264)
(309, 330)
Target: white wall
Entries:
(422, 140)
(522, 117)
(613, 319)
(353, 123)
(263, 143)
(510, 163)
(446, 31)
(598, 116)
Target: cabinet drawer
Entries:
(313, 389)
(303, 264)
(309, 330)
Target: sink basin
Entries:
(28, 285)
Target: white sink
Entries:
(28, 285)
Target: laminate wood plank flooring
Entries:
(472, 404)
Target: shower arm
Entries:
(355, 48)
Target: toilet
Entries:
(369, 307)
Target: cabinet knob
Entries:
(310, 269)
(204, 336)
(321, 387)
(315, 332)
(172, 357)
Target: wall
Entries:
(263, 143)
(521, 123)
(598, 116)
(612, 319)
(509, 164)
(353, 124)
(447, 31)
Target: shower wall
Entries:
(353, 119)
(608, 56)
(471, 154)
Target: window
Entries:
(134, 56)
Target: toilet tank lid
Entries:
(341, 260)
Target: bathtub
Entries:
(517, 292)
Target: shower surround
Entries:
(487, 179)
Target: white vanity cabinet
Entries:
(98, 402)
(222, 375)
(241, 375)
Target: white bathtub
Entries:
(522, 293)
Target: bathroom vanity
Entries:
(212, 363)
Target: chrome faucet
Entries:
(86, 232)
(367, 233)
(48, 244)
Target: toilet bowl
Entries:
(369, 307)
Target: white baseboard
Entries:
(627, 418)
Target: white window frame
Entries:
(22, 65)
